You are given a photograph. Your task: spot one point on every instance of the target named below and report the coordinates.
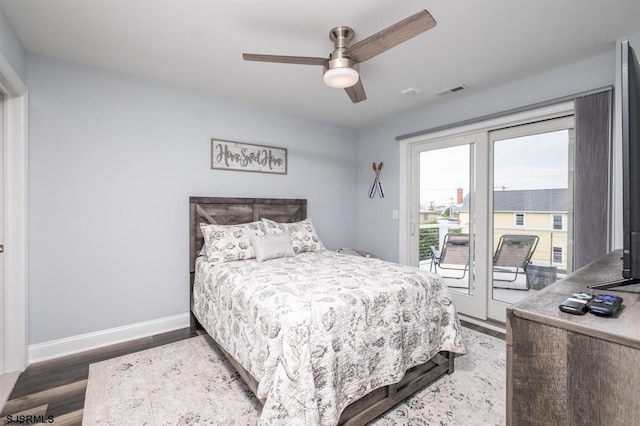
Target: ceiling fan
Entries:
(342, 66)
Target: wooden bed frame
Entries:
(227, 211)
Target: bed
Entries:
(319, 337)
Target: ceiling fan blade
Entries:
(391, 36)
(302, 60)
(356, 92)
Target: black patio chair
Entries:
(454, 255)
(512, 256)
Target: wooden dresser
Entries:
(565, 369)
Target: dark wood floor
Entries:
(484, 330)
(57, 388)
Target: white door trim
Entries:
(483, 199)
(15, 217)
(472, 303)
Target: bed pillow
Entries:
(303, 234)
(272, 246)
(226, 243)
(210, 221)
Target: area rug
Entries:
(191, 383)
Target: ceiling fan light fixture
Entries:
(341, 78)
(341, 72)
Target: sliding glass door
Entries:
(444, 236)
(491, 210)
(532, 209)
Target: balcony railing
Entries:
(432, 234)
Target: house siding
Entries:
(536, 223)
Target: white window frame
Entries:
(553, 255)
(553, 222)
(515, 220)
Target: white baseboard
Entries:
(71, 345)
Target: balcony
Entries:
(541, 272)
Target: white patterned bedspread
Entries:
(322, 329)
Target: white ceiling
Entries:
(199, 44)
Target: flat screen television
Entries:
(630, 94)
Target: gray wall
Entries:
(112, 162)
(378, 232)
(11, 48)
(113, 159)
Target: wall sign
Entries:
(229, 155)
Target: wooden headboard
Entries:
(230, 211)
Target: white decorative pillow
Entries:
(272, 246)
(210, 221)
(226, 243)
(303, 234)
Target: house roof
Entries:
(527, 200)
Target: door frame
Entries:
(405, 218)
(15, 218)
(470, 303)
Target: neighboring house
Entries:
(427, 216)
(541, 212)
(436, 212)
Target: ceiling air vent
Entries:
(452, 90)
(411, 92)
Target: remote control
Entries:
(574, 306)
(604, 305)
(583, 296)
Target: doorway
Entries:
(446, 176)
(14, 191)
(497, 195)
(2, 298)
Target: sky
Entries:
(529, 162)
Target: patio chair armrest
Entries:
(435, 254)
